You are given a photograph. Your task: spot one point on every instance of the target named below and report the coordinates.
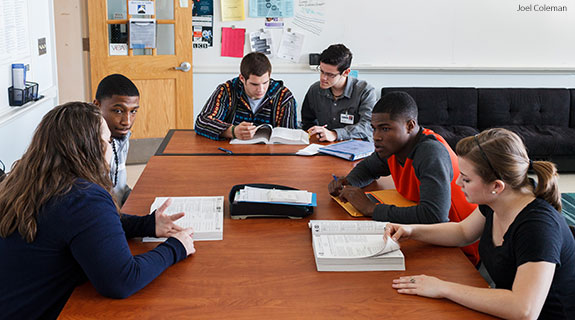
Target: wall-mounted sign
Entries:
(118, 49)
(140, 7)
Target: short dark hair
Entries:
(116, 84)
(255, 63)
(398, 104)
(337, 55)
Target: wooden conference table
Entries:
(187, 142)
(264, 268)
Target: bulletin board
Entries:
(450, 34)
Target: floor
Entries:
(134, 172)
(566, 181)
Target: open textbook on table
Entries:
(265, 133)
(204, 214)
(344, 245)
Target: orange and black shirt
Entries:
(427, 177)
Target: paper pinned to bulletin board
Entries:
(203, 23)
(261, 41)
(232, 10)
(233, 42)
(290, 46)
(271, 8)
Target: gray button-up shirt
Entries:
(321, 108)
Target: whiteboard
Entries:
(23, 23)
(450, 34)
(28, 21)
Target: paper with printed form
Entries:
(204, 214)
(353, 246)
(341, 245)
(251, 194)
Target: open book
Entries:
(265, 133)
(344, 245)
(390, 196)
(204, 214)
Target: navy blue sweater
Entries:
(80, 237)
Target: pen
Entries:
(225, 150)
(334, 177)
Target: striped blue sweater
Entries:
(229, 105)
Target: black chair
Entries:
(572, 230)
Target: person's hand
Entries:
(165, 225)
(421, 285)
(358, 199)
(245, 130)
(185, 237)
(397, 232)
(322, 133)
(336, 185)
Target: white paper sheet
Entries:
(290, 46)
(204, 214)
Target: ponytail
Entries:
(547, 186)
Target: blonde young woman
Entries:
(525, 243)
(60, 227)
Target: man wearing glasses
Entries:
(338, 107)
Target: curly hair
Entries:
(67, 145)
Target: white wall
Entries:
(17, 124)
(16, 135)
(479, 43)
(421, 33)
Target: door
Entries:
(165, 93)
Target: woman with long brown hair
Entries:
(59, 225)
(525, 243)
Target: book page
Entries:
(203, 214)
(352, 245)
(310, 150)
(262, 135)
(347, 227)
(289, 136)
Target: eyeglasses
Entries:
(327, 74)
(485, 158)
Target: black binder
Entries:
(242, 210)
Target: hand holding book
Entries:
(340, 245)
(265, 133)
(397, 232)
(243, 131)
